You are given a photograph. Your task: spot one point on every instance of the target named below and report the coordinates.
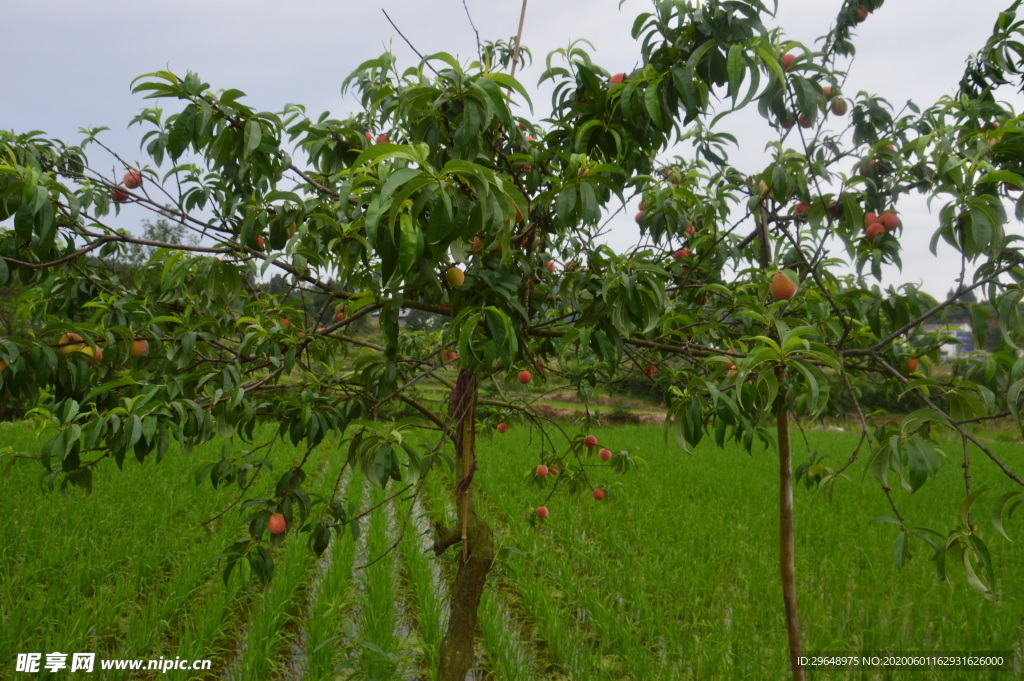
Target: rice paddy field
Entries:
(673, 576)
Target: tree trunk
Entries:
(787, 550)
(457, 649)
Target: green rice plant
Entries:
(508, 659)
(129, 572)
(377, 605)
(270, 626)
(424, 587)
(672, 576)
(323, 625)
(675, 574)
(274, 624)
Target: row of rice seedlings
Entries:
(116, 558)
(347, 646)
(508, 658)
(541, 583)
(324, 629)
(691, 546)
(298, 656)
(213, 625)
(381, 652)
(622, 578)
(162, 628)
(274, 619)
(206, 630)
(613, 602)
(199, 612)
(426, 589)
(400, 526)
(623, 594)
(267, 629)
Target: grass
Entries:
(673, 576)
(378, 603)
(104, 572)
(332, 604)
(678, 576)
(423, 590)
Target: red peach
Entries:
(782, 287)
(140, 348)
(132, 179)
(276, 524)
(889, 220)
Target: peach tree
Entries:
(753, 299)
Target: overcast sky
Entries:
(69, 64)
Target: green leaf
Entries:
(1013, 399)
(381, 152)
(410, 243)
(901, 550)
(652, 103)
(965, 508)
(564, 205)
(972, 577)
(997, 512)
(511, 83)
(922, 461)
(135, 431)
(109, 386)
(735, 66)
(398, 178)
(321, 539)
(253, 137)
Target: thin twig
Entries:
(411, 46)
(479, 52)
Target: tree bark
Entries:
(787, 551)
(457, 649)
